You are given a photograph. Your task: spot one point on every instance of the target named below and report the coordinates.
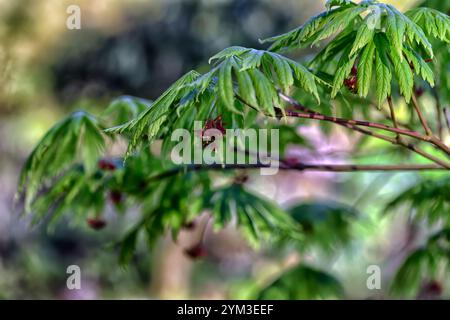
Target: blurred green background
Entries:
(138, 48)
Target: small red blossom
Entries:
(351, 83)
(190, 225)
(106, 164)
(418, 91)
(115, 196)
(196, 252)
(96, 223)
(217, 124)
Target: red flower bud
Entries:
(189, 225)
(96, 223)
(116, 197)
(106, 164)
(195, 252)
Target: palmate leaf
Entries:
(382, 69)
(403, 74)
(303, 282)
(344, 68)
(423, 264)
(395, 30)
(171, 203)
(364, 36)
(257, 218)
(309, 31)
(73, 193)
(149, 121)
(435, 23)
(240, 74)
(428, 199)
(78, 137)
(419, 65)
(260, 63)
(326, 225)
(365, 67)
(124, 108)
(402, 34)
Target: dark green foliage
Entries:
(370, 44)
(303, 282)
(424, 264)
(326, 225)
(76, 138)
(402, 35)
(257, 217)
(428, 200)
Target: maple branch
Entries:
(285, 165)
(447, 118)
(421, 116)
(400, 142)
(393, 117)
(440, 127)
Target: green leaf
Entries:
(78, 134)
(429, 200)
(420, 66)
(265, 91)
(343, 70)
(228, 52)
(149, 122)
(363, 36)
(246, 88)
(253, 59)
(365, 66)
(395, 30)
(128, 246)
(93, 144)
(225, 85)
(305, 79)
(435, 23)
(404, 75)
(304, 34)
(338, 22)
(382, 69)
(327, 225)
(283, 71)
(332, 3)
(258, 218)
(415, 33)
(303, 282)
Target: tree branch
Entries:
(440, 127)
(400, 142)
(393, 117)
(420, 115)
(285, 165)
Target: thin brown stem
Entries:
(353, 124)
(400, 142)
(447, 118)
(286, 165)
(393, 117)
(422, 119)
(440, 128)
(414, 134)
(318, 116)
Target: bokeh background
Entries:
(137, 47)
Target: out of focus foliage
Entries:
(73, 176)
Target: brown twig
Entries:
(393, 117)
(440, 128)
(400, 142)
(447, 118)
(422, 119)
(284, 165)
